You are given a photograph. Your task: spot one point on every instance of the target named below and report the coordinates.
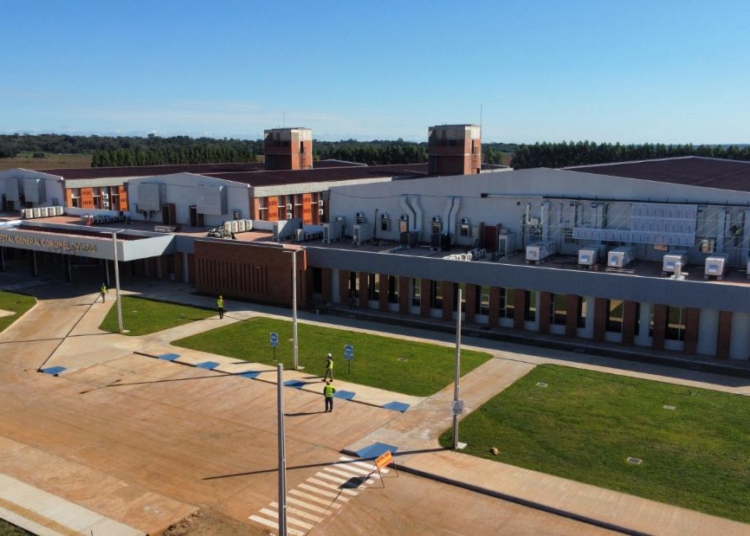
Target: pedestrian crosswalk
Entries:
(325, 492)
(24, 284)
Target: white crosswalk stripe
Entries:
(328, 490)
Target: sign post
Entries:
(349, 355)
(457, 403)
(274, 343)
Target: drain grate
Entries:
(541, 384)
(634, 461)
(671, 408)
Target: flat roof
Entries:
(687, 170)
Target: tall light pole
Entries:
(457, 388)
(117, 281)
(295, 350)
(281, 450)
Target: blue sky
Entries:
(659, 71)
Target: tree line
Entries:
(155, 150)
(565, 154)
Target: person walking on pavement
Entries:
(328, 392)
(329, 368)
(220, 306)
(104, 291)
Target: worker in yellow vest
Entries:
(329, 368)
(103, 292)
(220, 306)
(328, 392)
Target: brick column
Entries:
(725, 335)
(660, 327)
(629, 320)
(383, 288)
(571, 315)
(471, 303)
(448, 301)
(692, 320)
(404, 298)
(600, 318)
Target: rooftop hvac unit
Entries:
(362, 233)
(716, 266)
(410, 238)
(360, 218)
(248, 225)
(234, 226)
(506, 244)
(332, 231)
(592, 255)
(23, 213)
(384, 216)
(620, 257)
(465, 221)
(670, 260)
(299, 235)
(59, 211)
(228, 226)
(37, 212)
(44, 212)
(241, 226)
(436, 219)
(404, 217)
(539, 251)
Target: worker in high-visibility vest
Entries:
(220, 306)
(328, 392)
(329, 368)
(104, 291)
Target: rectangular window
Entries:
(614, 315)
(393, 289)
(559, 309)
(416, 296)
(582, 312)
(507, 303)
(436, 295)
(530, 312)
(676, 323)
(483, 300)
(373, 291)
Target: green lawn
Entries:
(141, 316)
(7, 529)
(584, 425)
(406, 367)
(18, 303)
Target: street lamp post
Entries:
(117, 281)
(295, 349)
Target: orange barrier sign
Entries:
(384, 459)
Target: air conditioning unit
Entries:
(464, 221)
(105, 204)
(321, 212)
(320, 202)
(404, 217)
(384, 216)
(289, 206)
(289, 215)
(105, 196)
(436, 219)
(360, 214)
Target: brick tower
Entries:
(455, 149)
(288, 148)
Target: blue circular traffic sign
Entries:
(349, 351)
(274, 339)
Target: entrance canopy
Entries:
(93, 242)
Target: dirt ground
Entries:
(212, 523)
